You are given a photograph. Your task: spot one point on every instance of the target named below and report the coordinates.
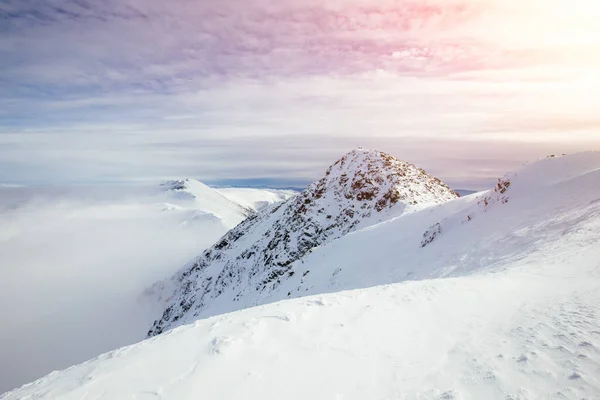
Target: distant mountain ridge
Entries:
(196, 195)
(256, 199)
(362, 188)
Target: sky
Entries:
(261, 92)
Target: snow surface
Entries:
(256, 199)
(526, 333)
(75, 260)
(503, 304)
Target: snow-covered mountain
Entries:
(230, 205)
(503, 303)
(196, 196)
(242, 269)
(256, 199)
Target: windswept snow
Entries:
(530, 331)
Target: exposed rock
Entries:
(431, 233)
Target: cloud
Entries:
(75, 262)
(91, 91)
(64, 46)
(248, 129)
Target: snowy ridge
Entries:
(505, 307)
(256, 199)
(362, 188)
(534, 177)
(192, 194)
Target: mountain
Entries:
(504, 303)
(464, 192)
(256, 199)
(362, 188)
(196, 196)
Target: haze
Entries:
(271, 91)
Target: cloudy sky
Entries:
(271, 92)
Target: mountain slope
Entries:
(195, 195)
(256, 199)
(467, 338)
(507, 306)
(362, 188)
(544, 201)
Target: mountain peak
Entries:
(247, 266)
(381, 180)
(195, 194)
(357, 157)
(182, 184)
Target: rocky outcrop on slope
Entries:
(362, 188)
(431, 233)
(498, 195)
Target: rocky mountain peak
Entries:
(249, 263)
(379, 181)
